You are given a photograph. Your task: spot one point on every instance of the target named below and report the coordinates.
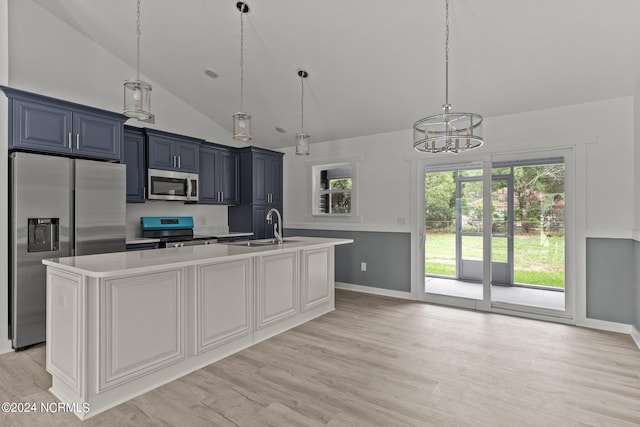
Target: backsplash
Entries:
(208, 219)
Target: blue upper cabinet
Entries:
(218, 175)
(48, 125)
(169, 151)
(134, 157)
(229, 182)
(260, 190)
(266, 177)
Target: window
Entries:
(333, 186)
(333, 189)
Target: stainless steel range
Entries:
(173, 231)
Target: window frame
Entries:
(315, 168)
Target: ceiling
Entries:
(374, 66)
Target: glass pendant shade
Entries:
(242, 126)
(448, 132)
(302, 139)
(137, 99)
(302, 144)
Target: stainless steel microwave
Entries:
(171, 185)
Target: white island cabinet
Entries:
(124, 323)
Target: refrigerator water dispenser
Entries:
(43, 235)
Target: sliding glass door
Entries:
(453, 221)
(537, 277)
(526, 231)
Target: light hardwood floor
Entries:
(382, 361)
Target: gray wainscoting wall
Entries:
(611, 280)
(388, 257)
(636, 263)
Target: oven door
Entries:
(170, 185)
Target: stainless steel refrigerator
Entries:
(59, 207)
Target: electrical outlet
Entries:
(363, 266)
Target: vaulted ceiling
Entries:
(374, 66)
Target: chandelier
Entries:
(447, 132)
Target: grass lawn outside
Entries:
(538, 259)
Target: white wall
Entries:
(40, 53)
(604, 130)
(600, 135)
(49, 57)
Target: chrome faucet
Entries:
(278, 235)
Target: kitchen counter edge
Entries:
(136, 262)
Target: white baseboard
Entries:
(5, 347)
(605, 325)
(375, 291)
(635, 334)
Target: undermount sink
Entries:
(256, 243)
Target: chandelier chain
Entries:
(138, 42)
(241, 58)
(446, 55)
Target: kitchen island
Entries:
(121, 324)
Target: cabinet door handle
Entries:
(178, 162)
(69, 140)
(222, 196)
(173, 161)
(77, 141)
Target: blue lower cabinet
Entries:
(252, 218)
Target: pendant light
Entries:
(137, 94)
(448, 132)
(302, 139)
(241, 120)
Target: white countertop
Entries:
(134, 262)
